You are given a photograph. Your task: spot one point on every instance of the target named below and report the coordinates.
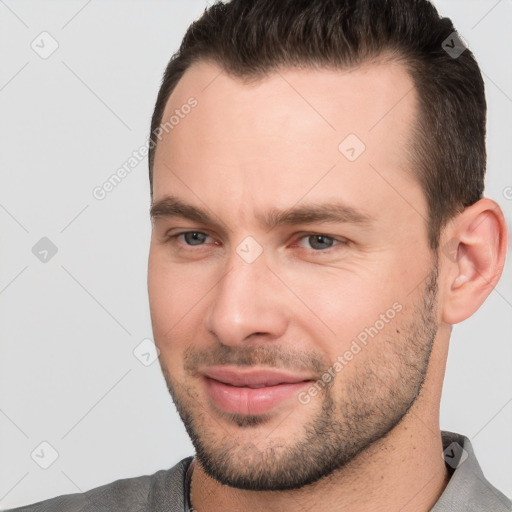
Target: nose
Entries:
(248, 304)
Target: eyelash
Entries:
(336, 241)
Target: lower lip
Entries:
(245, 400)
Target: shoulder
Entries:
(163, 490)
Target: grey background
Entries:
(68, 374)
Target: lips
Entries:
(251, 391)
(253, 378)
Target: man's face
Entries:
(303, 261)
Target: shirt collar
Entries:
(467, 489)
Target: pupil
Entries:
(194, 238)
(320, 242)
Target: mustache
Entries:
(268, 355)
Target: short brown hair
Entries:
(251, 38)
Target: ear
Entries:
(473, 257)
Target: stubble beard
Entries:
(375, 400)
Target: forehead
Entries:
(279, 134)
(368, 98)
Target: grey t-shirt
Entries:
(167, 490)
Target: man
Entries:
(317, 172)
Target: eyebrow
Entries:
(171, 206)
(314, 213)
(309, 213)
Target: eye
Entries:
(318, 242)
(193, 237)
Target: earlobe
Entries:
(473, 265)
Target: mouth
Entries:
(254, 391)
(254, 377)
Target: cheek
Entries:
(176, 298)
(344, 303)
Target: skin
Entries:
(371, 439)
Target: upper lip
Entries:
(252, 377)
